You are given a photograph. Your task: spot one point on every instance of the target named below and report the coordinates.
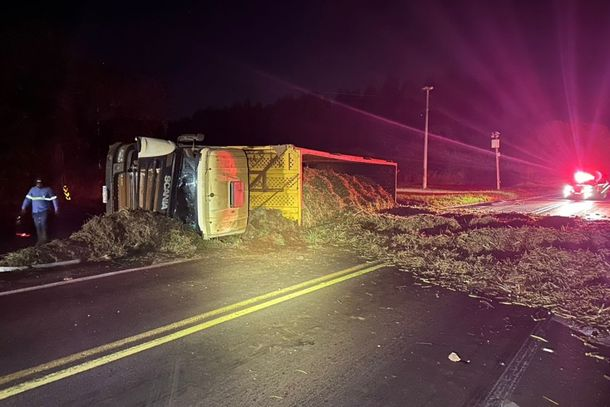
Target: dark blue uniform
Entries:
(41, 199)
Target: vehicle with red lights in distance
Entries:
(587, 185)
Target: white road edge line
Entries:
(6, 269)
(55, 264)
(94, 277)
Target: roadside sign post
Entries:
(495, 144)
(426, 89)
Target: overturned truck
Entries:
(213, 189)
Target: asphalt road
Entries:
(554, 206)
(365, 336)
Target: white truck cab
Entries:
(205, 187)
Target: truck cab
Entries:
(204, 187)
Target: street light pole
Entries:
(427, 89)
(495, 144)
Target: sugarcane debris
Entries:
(560, 266)
(454, 357)
(550, 400)
(540, 315)
(596, 355)
(538, 338)
(487, 304)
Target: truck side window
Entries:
(186, 193)
(236, 194)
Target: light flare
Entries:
(580, 177)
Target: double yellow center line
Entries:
(81, 362)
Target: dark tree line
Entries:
(59, 111)
(384, 122)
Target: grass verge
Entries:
(453, 199)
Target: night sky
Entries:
(537, 71)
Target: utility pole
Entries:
(426, 89)
(495, 144)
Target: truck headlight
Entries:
(567, 191)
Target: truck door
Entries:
(222, 198)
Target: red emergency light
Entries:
(581, 177)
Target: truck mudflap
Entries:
(141, 176)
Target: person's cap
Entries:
(39, 180)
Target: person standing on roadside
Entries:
(40, 198)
